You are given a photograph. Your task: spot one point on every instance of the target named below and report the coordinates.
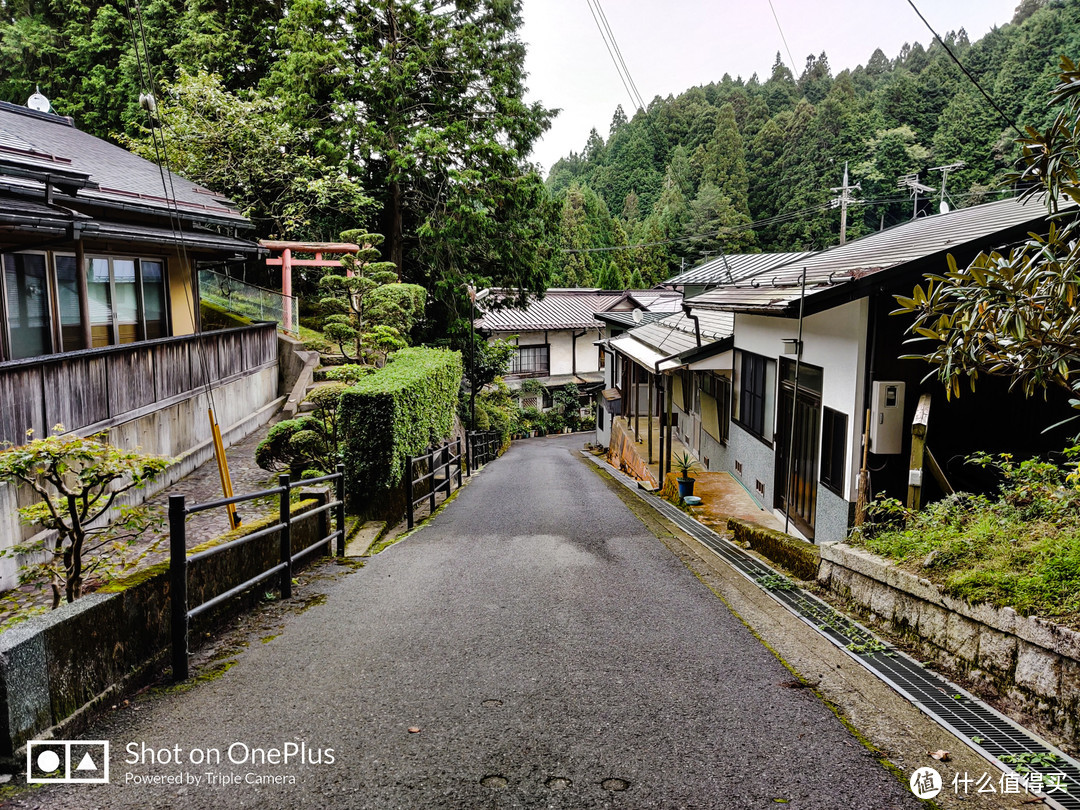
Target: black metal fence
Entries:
(179, 559)
(483, 447)
(439, 467)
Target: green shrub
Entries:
(350, 373)
(1020, 549)
(400, 410)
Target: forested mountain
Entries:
(746, 165)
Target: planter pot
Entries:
(686, 486)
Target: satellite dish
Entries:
(944, 207)
(636, 315)
(39, 102)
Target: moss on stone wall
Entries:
(797, 556)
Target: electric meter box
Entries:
(887, 418)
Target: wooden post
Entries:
(670, 394)
(918, 448)
(634, 401)
(863, 496)
(649, 422)
(84, 296)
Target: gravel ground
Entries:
(535, 645)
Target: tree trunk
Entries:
(396, 247)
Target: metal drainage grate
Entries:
(978, 725)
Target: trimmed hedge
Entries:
(400, 410)
(797, 556)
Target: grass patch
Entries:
(314, 340)
(1020, 552)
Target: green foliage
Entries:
(491, 361)
(768, 152)
(400, 410)
(374, 312)
(1020, 549)
(236, 144)
(348, 373)
(1015, 314)
(495, 410)
(78, 480)
(311, 442)
(685, 464)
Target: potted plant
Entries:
(685, 464)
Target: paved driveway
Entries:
(550, 650)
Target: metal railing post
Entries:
(409, 488)
(339, 512)
(468, 452)
(178, 585)
(431, 469)
(285, 535)
(459, 460)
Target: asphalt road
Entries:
(552, 653)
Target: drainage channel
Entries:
(1006, 744)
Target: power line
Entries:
(783, 38)
(974, 81)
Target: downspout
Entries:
(794, 409)
(688, 312)
(573, 350)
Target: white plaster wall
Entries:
(834, 340)
(561, 353)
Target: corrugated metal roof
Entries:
(884, 250)
(657, 300)
(675, 334)
(558, 309)
(734, 268)
(627, 318)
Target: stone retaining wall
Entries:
(67, 661)
(1032, 662)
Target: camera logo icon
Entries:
(71, 761)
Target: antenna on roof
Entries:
(38, 102)
(952, 167)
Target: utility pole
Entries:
(911, 181)
(843, 200)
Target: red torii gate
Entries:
(287, 262)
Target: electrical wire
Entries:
(162, 159)
(974, 81)
(783, 38)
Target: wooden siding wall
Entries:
(96, 389)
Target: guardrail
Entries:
(445, 459)
(483, 447)
(179, 560)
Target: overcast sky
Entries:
(672, 45)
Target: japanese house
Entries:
(99, 305)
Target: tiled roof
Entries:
(558, 309)
(734, 268)
(43, 142)
(890, 249)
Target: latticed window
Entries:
(530, 361)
